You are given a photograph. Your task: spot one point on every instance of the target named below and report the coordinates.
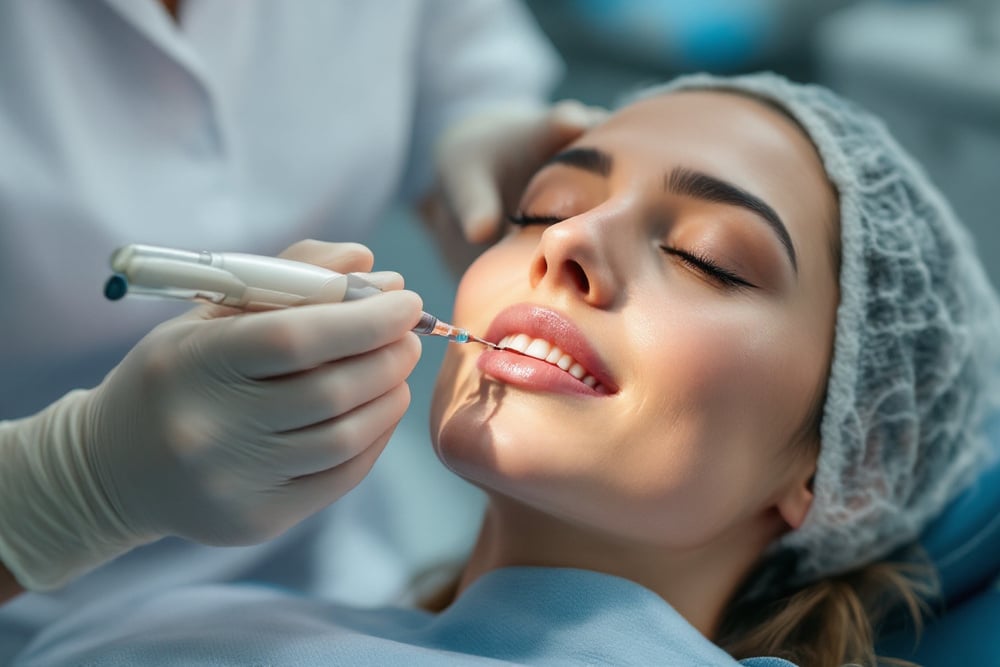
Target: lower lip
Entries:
(530, 373)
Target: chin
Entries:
(501, 438)
(470, 442)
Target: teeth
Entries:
(520, 342)
(538, 348)
(546, 351)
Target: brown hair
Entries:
(834, 621)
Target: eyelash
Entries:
(524, 220)
(707, 267)
(698, 262)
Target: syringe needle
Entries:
(484, 342)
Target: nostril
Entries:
(578, 276)
(538, 270)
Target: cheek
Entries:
(459, 407)
(720, 396)
(488, 283)
(739, 365)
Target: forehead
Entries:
(734, 137)
(728, 131)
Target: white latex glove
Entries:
(485, 161)
(226, 430)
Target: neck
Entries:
(697, 582)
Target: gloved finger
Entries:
(474, 200)
(281, 342)
(339, 257)
(336, 441)
(478, 186)
(384, 280)
(575, 117)
(311, 493)
(331, 390)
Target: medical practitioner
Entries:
(239, 126)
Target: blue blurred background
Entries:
(930, 68)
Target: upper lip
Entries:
(540, 322)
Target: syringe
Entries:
(251, 282)
(432, 326)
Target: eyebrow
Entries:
(690, 183)
(589, 159)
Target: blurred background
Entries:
(931, 69)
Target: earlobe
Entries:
(797, 500)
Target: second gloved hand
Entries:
(222, 430)
(484, 162)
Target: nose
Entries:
(575, 255)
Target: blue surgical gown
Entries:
(521, 615)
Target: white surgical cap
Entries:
(915, 365)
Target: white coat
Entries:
(244, 127)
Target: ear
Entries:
(794, 503)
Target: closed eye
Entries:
(708, 268)
(524, 220)
(700, 263)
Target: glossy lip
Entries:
(540, 322)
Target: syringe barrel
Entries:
(358, 288)
(426, 325)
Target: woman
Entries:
(736, 372)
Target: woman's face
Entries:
(680, 256)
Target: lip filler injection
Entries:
(250, 282)
(432, 326)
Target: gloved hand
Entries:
(223, 430)
(485, 161)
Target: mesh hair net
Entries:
(915, 363)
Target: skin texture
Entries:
(704, 454)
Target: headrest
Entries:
(964, 542)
